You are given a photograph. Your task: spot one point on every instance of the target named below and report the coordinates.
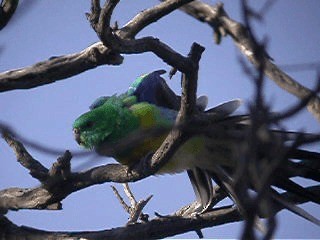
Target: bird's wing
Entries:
(152, 88)
(225, 109)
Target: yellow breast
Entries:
(140, 150)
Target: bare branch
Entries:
(135, 208)
(216, 17)
(154, 229)
(28, 198)
(100, 20)
(113, 40)
(125, 206)
(291, 111)
(62, 167)
(7, 9)
(129, 194)
(148, 16)
(58, 68)
(154, 45)
(61, 67)
(37, 170)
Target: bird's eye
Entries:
(89, 124)
(76, 131)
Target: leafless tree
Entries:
(58, 182)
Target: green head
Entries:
(107, 123)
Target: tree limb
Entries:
(148, 16)
(112, 38)
(61, 67)
(155, 229)
(58, 68)
(37, 170)
(217, 18)
(7, 9)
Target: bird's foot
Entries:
(192, 210)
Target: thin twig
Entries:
(58, 68)
(215, 16)
(129, 194)
(37, 170)
(62, 67)
(135, 209)
(148, 16)
(121, 200)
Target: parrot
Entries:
(153, 89)
(150, 103)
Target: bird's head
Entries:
(104, 123)
(93, 127)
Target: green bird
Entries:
(112, 119)
(148, 104)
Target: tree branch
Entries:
(148, 16)
(154, 229)
(135, 208)
(113, 40)
(217, 18)
(7, 9)
(61, 67)
(37, 170)
(58, 68)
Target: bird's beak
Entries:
(76, 133)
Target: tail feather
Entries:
(226, 108)
(202, 186)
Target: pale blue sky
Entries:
(56, 27)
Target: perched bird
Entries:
(111, 119)
(151, 100)
(150, 103)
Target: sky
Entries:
(42, 29)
